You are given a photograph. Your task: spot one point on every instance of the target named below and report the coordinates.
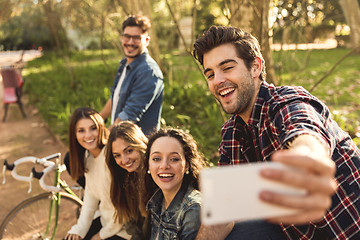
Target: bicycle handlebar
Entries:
(36, 174)
(49, 166)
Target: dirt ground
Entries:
(21, 137)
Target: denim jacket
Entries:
(141, 93)
(181, 220)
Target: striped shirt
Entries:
(279, 115)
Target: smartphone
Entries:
(231, 193)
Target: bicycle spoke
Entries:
(29, 221)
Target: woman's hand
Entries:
(72, 237)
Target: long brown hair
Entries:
(193, 157)
(76, 151)
(124, 190)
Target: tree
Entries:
(253, 17)
(50, 8)
(351, 11)
(57, 31)
(5, 10)
(31, 33)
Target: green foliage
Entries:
(208, 13)
(187, 101)
(51, 88)
(301, 13)
(339, 91)
(25, 31)
(189, 104)
(299, 21)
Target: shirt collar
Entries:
(155, 202)
(261, 98)
(136, 61)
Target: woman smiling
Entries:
(173, 165)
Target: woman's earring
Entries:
(187, 172)
(148, 171)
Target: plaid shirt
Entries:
(279, 115)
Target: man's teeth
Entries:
(226, 91)
(166, 175)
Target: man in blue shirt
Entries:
(137, 92)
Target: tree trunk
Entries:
(253, 16)
(351, 11)
(57, 31)
(6, 8)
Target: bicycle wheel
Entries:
(29, 219)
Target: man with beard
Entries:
(137, 92)
(280, 124)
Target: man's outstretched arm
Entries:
(214, 232)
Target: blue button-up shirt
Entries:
(141, 93)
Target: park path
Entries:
(21, 137)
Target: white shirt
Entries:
(97, 196)
(116, 95)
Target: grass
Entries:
(57, 90)
(338, 91)
(57, 87)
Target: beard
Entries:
(245, 94)
(134, 52)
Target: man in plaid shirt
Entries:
(286, 125)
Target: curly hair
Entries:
(124, 192)
(246, 45)
(193, 157)
(76, 151)
(142, 22)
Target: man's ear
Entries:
(256, 67)
(147, 40)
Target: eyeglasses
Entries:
(127, 37)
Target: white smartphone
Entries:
(231, 193)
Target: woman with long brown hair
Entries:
(124, 156)
(87, 138)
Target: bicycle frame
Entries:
(55, 201)
(55, 189)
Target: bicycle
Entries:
(48, 215)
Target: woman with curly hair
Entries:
(173, 164)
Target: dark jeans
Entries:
(115, 238)
(256, 230)
(95, 228)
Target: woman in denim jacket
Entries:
(173, 165)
